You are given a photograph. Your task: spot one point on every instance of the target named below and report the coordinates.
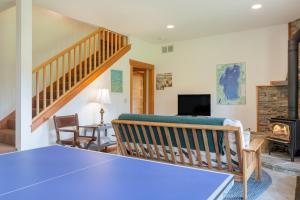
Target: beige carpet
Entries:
(283, 187)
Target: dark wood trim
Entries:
(131, 88)
(140, 65)
(149, 68)
(45, 115)
(145, 91)
(297, 191)
(151, 91)
(290, 30)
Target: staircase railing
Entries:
(56, 77)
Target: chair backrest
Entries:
(187, 144)
(65, 121)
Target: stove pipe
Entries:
(293, 76)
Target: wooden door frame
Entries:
(134, 64)
(143, 72)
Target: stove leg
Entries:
(270, 148)
(293, 151)
(292, 156)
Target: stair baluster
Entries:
(65, 71)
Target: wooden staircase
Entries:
(62, 77)
(7, 134)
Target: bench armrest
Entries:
(255, 144)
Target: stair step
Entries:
(7, 136)
(4, 148)
(54, 94)
(34, 112)
(11, 124)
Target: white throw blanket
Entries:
(245, 134)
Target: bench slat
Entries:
(140, 141)
(126, 138)
(216, 144)
(228, 155)
(162, 144)
(188, 147)
(133, 140)
(154, 143)
(119, 140)
(238, 148)
(147, 141)
(207, 151)
(167, 132)
(178, 145)
(195, 137)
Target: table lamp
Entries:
(103, 98)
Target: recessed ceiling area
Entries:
(192, 18)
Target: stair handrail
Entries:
(53, 58)
(86, 55)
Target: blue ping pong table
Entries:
(62, 173)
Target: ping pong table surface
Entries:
(58, 172)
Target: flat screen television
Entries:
(194, 104)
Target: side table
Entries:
(99, 129)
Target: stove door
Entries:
(280, 131)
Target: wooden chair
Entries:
(70, 124)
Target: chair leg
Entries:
(78, 145)
(88, 145)
(245, 188)
(245, 174)
(258, 165)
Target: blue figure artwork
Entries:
(231, 84)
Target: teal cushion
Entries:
(178, 120)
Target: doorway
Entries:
(141, 87)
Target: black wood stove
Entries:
(286, 131)
(285, 136)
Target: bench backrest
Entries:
(187, 144)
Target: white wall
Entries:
(7, 61)
(51, 34)
(193, 64)
(83, 104)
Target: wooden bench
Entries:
(144, 140)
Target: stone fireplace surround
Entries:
(272, 101)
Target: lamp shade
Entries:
(103, 96)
